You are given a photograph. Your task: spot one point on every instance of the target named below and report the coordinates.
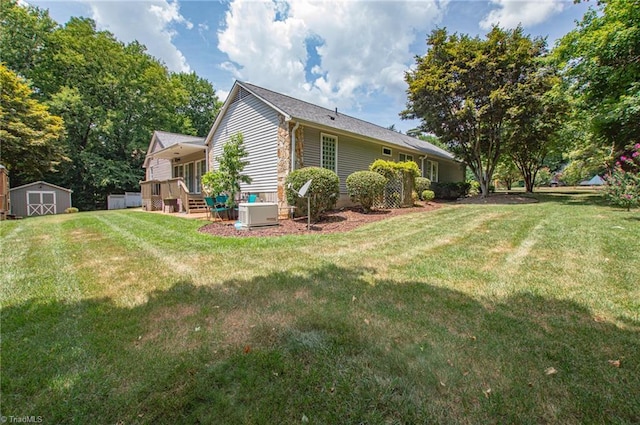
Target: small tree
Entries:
(507, 172)
(231, 165)
(213, 183)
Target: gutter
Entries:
(293, 146)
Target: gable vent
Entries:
(241, 94)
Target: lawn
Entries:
(467, 314)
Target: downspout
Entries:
(293, 146)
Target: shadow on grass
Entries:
(572, 198)
(330, 344)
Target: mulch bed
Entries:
(347, 219)
(341, 220)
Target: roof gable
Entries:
(41, 183)
(167, 139)
(164, 139)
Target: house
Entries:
(283, 134)
(173, 166)
(39, 198)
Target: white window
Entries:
(178, 171)
(386, 151)
(329, 158)
(431, 170)
(201, 168)
(403, 157)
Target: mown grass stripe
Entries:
(163, 256)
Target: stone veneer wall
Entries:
(284, 164)
(284, 160)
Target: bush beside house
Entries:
(365, 188)
(450, 191)
(324, 190)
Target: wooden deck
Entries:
(170, 196)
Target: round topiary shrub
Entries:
(428, 195)
(365, 187)
(422, 184)
(324, 190)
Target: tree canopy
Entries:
(532, 130)
(601, 62)
(463, 88)
(29, 134)
(111, 96)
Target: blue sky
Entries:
(347, 54)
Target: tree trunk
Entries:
(528, 185)
(484, 187)
(529, 179)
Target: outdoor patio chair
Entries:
(252, 198)
(220, 206)
(210, 204)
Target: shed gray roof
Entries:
(304, 111)
(41, 183)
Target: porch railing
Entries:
(158, 194)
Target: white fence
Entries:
(128, 200)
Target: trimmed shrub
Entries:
(428, 195)
(450, 190)
(390, 169)
(474, 188)
(324, 190)
(422, 184)
(365, 188)
(403, 172)
(71, 210)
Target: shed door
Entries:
(41, 203)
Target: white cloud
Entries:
(151, 22)
(361, 47)
(511, 13)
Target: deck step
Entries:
(197, 205)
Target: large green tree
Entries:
(462, 91)
(25, 43)
(602, 68)
(532, 130)
(111, 96)
(202, 103)
(29, 134)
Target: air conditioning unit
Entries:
(256, 214)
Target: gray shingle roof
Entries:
(167, 139)
(301, 110)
